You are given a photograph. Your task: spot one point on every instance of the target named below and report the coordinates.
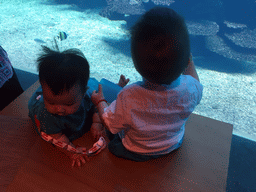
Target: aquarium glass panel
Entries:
(222, 37)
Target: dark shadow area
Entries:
(10, 90)
(131, 20)
(197, 45)
(26, 79)
(213, 61)
(232, 45)
(123, 46)
(205, 59)
(242, 169)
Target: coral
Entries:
(163, 2)
(131, 7)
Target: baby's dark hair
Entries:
(160, 45)
(62, 70)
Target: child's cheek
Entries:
(72, 110)
(50, 109)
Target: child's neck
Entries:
(159, 87)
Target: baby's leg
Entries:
(123, 81)
(117, 148)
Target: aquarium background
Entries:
(222, 33)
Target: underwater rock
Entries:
(234, 25)
(238, 43)
(217, 44)
(246, 38)
(203, 27)
(163, 2)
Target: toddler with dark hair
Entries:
(148, 117)
(61, 108)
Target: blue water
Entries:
(218, 11)
(223, 40)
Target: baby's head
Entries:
(64, 77)
(160, 45)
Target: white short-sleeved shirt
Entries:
(150, 118)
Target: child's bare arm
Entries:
(63, 138)
(76, 158)
(99, 101)
(97, 128)
(96, 118)
(191, 70)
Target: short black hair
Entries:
(160, 45)
(62, 70)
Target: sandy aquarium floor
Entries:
(26, 25)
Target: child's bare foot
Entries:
(123, 81)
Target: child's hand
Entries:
(78, 158)
(123, 81)
(190, 61)
(97, 130)
(96, 97)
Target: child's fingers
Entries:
(98, 136)
(78, 162)
(191, 57)
(86, 157)
(83, 161)
(100, 88)
(94, 93)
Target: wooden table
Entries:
(201, 164)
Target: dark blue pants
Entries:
(117, 148)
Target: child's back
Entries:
(150, 115)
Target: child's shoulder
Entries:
(191, 85)
(36, 97)
(188, 79)
(132, 87)
(134, 90)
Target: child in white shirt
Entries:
(150, 116)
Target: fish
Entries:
(39, 41)
(62, 36)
